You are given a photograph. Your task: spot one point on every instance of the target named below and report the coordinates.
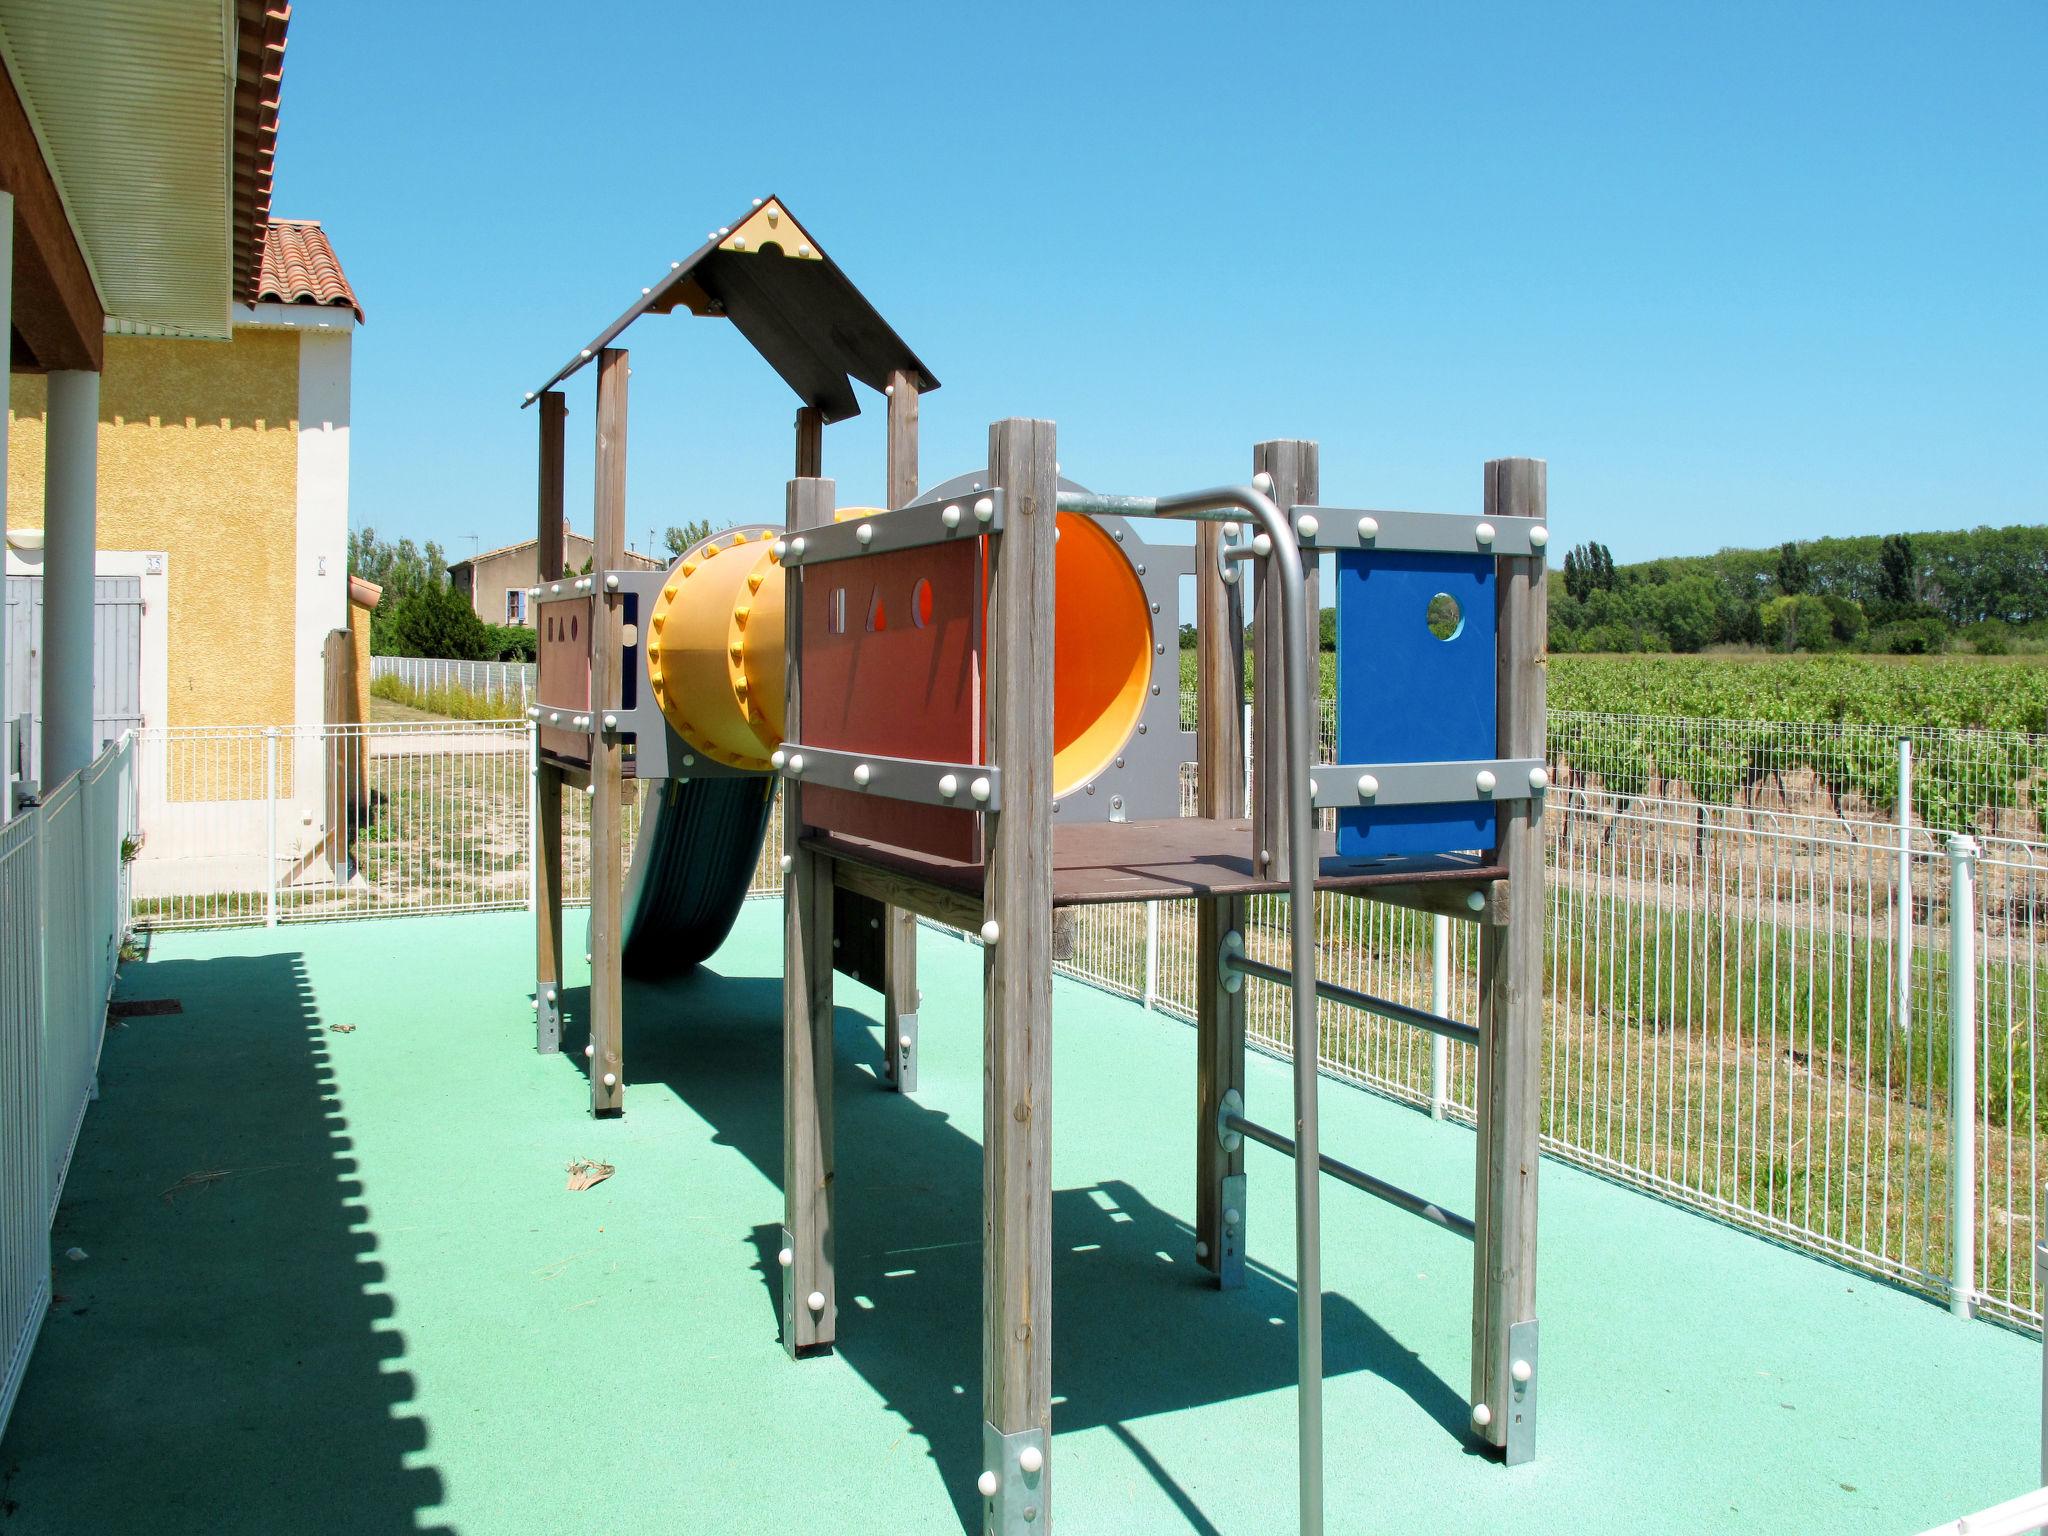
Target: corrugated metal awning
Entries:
(135, 108)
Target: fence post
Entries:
(1151, 952)
(1902, 886)
(1439, 1004)
(1962, 1073)
(270, 797)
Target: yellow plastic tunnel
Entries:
(715, 652)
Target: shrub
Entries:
(437, 621)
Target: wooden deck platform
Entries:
(1182, 859)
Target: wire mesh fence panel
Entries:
(511, 683)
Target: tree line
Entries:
(1899, 593)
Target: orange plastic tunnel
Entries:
(715, 653)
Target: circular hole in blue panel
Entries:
(1446, 620)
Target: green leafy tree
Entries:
(693, 532)
(436, 620)
(401, 569)
(1795, 575)
(1895, 569)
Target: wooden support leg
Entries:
(809, 1304)
(1220, 1210)
(547, 908)
(1017, 992)
(607, 764)
(900, 998)
(810, 1308)
(1504, 1361)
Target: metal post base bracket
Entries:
(1518, 1429)
(1230, 1231)
(791, 1301)
(547, 1019)
(903, 1068)
(1013, 1484)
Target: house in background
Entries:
(496, 581)
(223, 508)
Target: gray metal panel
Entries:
(1443, 533)
(117, 661)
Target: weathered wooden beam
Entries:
(1296, 468)
(1511, 1013)
(810, 1309)
(607, 642)
(917, 897)
(810, 442)
(1219, 1012)
(56, 309)
(1017, 982)
(900, 995)
(547, 778)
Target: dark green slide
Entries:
(699, 842)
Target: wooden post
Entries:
(810, 442)
(807, 1153)
(1511, 1008)
(1296, 469)
(900, 995)
(1017, 985)
(1219, 1013)
(547, 779)
(607, 641)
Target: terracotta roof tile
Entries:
(299, 267)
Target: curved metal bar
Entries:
(1214, 505)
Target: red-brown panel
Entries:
(892, 666)
(563, 651)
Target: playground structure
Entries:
(970, 703)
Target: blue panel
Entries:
(1405, 696)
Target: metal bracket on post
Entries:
(547, 1008)
(785, 1260)
(1519, 1432)
(1230, 1233)
(1012, 1481)
(1232, 979)
(904, 1067)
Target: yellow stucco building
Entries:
(223, 486)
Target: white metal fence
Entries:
(509, 682)
(63, 916)
(1749, 1005)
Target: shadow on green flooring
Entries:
(271, 1398)
(1139, 1328)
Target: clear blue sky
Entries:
(1740, 273)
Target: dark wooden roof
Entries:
(775, 283)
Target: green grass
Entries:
(447, 699)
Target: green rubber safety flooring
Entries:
(332, 1279)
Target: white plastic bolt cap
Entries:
(1368, 528)
(1313, 790)
(796, 763)
(1368, 786)
(1262, 544)
(1232, 1216)
(1230, 531)
(589, 1052)
(1475, 901)
(984, 509)
(991, 931)
(785, 863)
(1538, 536)
(1308, 525)
(554, 717)
(611, 722)
(865, 533)
(1030, 1459)
(861, 774)
(815, 1301)
(988, 1483)
(611, 1079)
(689, 761)
(1485, 780)
(533, 711)
(1481, 1415)
(1520, 1370)
(796, 545)
(979, 788)
(1263, 483)
(1483, 533)
(1201, 1249)
(777, 758)
(950, 517)
(1538, 779)
(949, 786)
(781, 548)
(611, 583)
(785, 1258)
